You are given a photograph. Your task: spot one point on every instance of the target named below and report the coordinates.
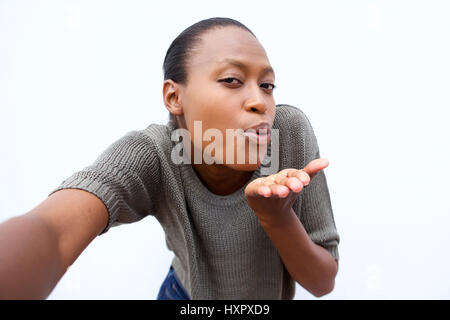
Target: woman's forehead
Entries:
(228, 46)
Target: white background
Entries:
(372, 76)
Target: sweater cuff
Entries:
(100, 190)
(334, 251)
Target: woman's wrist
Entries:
(280, 219)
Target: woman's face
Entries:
(229, 86)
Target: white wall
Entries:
(372, 76)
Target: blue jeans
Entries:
(171, 289)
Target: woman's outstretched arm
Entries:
(36, 248)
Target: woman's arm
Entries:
(271, 198)
(37, 248)
(309, 264)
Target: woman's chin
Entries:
(244, 166)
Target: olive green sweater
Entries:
(220, 249)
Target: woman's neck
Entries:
(220, 179)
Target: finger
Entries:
(264, 191)
(269, 180)
(300, 175)
(263, 186)
(253, 188)
(279, 190)
(315, 166)
(293, 183)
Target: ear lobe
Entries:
(171, 96)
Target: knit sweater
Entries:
(220, 249)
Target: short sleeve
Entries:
(125, 177)
(316, 209)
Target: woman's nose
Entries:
(256, 103)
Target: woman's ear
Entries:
(172, 97)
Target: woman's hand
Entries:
(272, 197)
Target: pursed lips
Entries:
(259, 132)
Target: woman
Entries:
(237, 230)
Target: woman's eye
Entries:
(269, 86)
(230, 80)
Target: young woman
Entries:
(239, 229)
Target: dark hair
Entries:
(174, 66)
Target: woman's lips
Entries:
(258, 136)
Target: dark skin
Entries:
(36, 248)
(224, 105)
(239, 103)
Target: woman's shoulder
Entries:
(154, 135)
(289, 117)
(138, 147)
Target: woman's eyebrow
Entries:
(242, 65)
